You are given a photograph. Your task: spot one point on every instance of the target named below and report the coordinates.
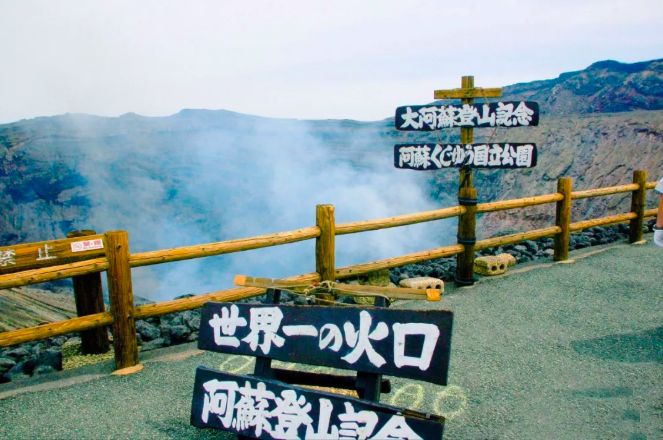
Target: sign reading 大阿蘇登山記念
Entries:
(494, 114)
(438, 156)
(268, 409)
(404, 343)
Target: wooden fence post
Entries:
(325, 250)
(638, 202)
(121, 299)
(563, 219)
(467, 197)
(90, 300)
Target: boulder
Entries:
(179, 333)
(6, 364)
(153, 344)
(147, 331)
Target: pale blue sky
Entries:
(300, 59)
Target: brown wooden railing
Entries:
(116, 259)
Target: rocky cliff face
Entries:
(205, 175)
(606, 86)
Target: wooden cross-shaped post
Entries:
(467, 194)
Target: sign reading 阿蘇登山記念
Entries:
(494, 114)
(268, 409)
(438, 156)
(404, 343)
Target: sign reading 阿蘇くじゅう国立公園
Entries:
(404, 343)
(438, 156)
(493, 114)
(268, 409)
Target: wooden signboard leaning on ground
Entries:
(268, 409)
(404, 343)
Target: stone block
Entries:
(423, 283)
(493, 265)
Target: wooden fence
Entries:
(115, 258)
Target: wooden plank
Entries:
(519, 203)
(399, 342)
(439, 156)
(220, 398)
(399, 220)
(224, 247)
(495, 114)
(27, 256)
(345, 289)
(563, 219)
(604, 191)
(121, 297)
(474, 92)
(638, 205)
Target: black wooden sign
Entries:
(405, 343)
(438, 156)
(269, 409)
(494, 114)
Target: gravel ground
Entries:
(548, 351)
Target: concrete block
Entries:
(493, 265)
(423, 283)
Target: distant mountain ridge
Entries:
(604, 87)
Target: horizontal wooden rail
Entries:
(387, 263)
(42, 275)
(619, 218)
(515, 238)
(400, 220)
(71, 269)
(44, 331)
(223, 247)
(519, 203)
(194, 302)
(604, 191)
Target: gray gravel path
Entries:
(548, 351)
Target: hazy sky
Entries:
(303, 59)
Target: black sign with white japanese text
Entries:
(493, 114)
(405, 343)
(438, 156)
(268, 409)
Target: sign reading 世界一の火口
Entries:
(404, 343)
(268, 409)
(438, 156)
(494, 114)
